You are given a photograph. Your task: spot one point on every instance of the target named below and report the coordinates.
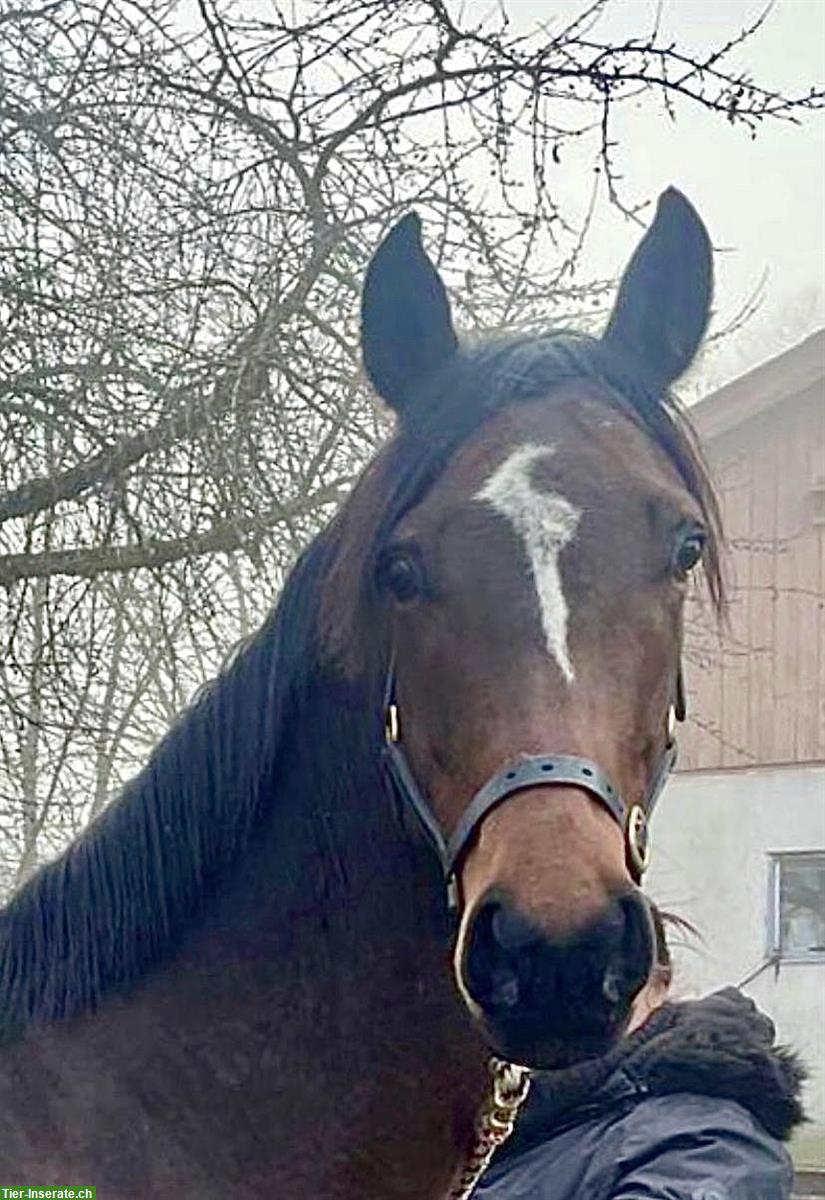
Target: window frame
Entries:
(778, 858)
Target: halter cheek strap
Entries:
(543, 770)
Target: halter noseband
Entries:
(543, 770)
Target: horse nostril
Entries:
(611, 987)
(498, 965)
(631, 962)
(504, 991)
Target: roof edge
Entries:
(776, 379)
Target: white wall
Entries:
(712, 834)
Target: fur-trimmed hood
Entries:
(721, 1046)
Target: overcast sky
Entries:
(763, 200)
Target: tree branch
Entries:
(223, 538)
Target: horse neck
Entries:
(328, 954)
(308, 1014)
(334, 879)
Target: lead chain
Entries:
(494, 1123)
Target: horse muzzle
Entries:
(548, 1001)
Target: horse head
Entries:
(518, 594)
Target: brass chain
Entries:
(494, 1123)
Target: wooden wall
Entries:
(757, 692)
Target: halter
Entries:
(542, 770)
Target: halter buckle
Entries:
(637, 842)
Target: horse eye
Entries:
(688, 553)
(400, 574)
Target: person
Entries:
(695, 1103)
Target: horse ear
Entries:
(406, 329)
(663, 304)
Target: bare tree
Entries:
(189, 194)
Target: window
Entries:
(797, 910)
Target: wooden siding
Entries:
(757, 691)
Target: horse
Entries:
(406, 825)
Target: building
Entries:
(740, 831)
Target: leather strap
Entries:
(395, 760)
(537, 771)
(666, 764)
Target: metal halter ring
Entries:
(392, 726)
(672, 720)
(637, 841)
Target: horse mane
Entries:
(111, 906)
(115, 902)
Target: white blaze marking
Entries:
(546, 522)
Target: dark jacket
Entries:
(692, 1106)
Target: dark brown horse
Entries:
(405, 823)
